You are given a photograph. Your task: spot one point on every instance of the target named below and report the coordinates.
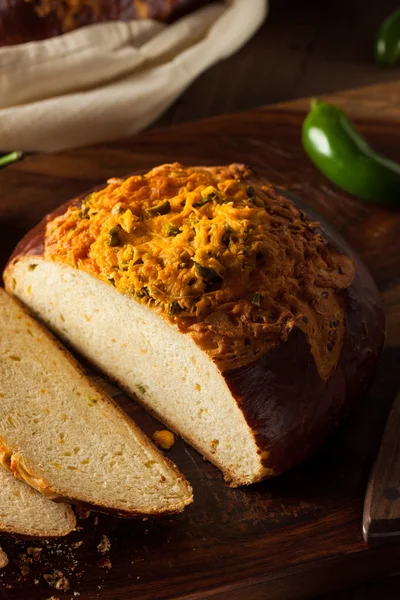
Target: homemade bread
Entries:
(66, 437)
(24, 511)
(210, 296)
(27, 20)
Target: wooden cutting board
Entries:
(294, 537)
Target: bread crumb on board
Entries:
(82, 512)
(164, 439)
(104, 545)
(57, 580)
(35, 552)
(3, 559)
(104, 563)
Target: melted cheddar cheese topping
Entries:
(216, 251)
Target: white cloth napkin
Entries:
(110, 80)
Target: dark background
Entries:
(305, 47)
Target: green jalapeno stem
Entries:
(7, 159)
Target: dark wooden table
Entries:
(303, 48)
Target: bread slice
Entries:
(65, 437)
(24, 511)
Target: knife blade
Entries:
(381, 518)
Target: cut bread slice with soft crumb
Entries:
(24, 511)
(146, 356)
(64, 436)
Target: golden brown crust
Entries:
(27, 20)
(217, 252)
(17, 466)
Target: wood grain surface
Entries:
(294, 537)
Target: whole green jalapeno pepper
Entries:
(340, 153)
(387, 43)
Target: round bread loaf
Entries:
(221, 302)
(27, 20)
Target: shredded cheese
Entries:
(218, 252)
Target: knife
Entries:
(381, 519)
